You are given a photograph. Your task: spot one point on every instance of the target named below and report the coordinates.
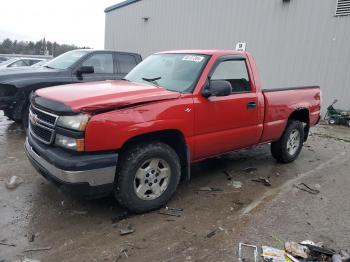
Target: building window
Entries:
(343, 8)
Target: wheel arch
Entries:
(172, 137)
(302, 115)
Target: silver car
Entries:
(19, 62)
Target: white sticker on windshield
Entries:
(193, 58)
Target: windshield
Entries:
(66, 60)
(175, 72)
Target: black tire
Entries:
(130, 162)
(25, 118)
(348, 123)
(279, 148)
(8, 114)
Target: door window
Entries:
(18, 63)
(102, 63)
(235, 72)
(126, 63)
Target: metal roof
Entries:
(120, 5)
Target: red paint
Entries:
(210, 126)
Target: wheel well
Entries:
(173, 138)
(303, 116)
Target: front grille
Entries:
(44, 117)
(42, 124)
(41, 133)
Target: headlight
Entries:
(77, 122)
(70, 143)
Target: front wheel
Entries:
(148, 177)
(288, 147)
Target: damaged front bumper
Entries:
(86, 175)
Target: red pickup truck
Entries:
(137, 137)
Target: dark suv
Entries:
(75, 66)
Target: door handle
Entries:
(251, 105)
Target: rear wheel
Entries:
(148, 176)
(332, 121)
(288, 147)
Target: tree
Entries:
(7, 46)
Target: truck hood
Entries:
(14, 75)
(103, 96)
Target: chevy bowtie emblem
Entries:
(188, 110)
(34, 119)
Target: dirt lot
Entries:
(80, 230)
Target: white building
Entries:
(295, 42)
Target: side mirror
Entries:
(85, 70)
(217, 88)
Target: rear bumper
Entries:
(88, 175)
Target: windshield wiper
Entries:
(152, 80)
(48, 67)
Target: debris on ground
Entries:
(13, 182)
(336, 258)
(241, 254)
(271, 254)
(320, 250)
(235, 184)
(171, 211)
(296, 249)
(3, 243)
(174, 209)
(249, 170)
(81, 213)
(127, 231)
(345, 255)
(308, 189)
(210, 189)
(228, 175)
(31, 237)
(211, 234)
(188, 232)
(37, 249)
(120, 216)
(30, 260)
(263, 180)
(306, 250)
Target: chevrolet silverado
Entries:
(137, 137)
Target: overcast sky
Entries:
(76, 22)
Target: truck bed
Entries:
(280, 103)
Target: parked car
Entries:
(72, 67)
(137, 137)
(19, 62)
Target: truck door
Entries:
(103, 65)
(230, 122)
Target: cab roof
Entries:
(218, 52)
